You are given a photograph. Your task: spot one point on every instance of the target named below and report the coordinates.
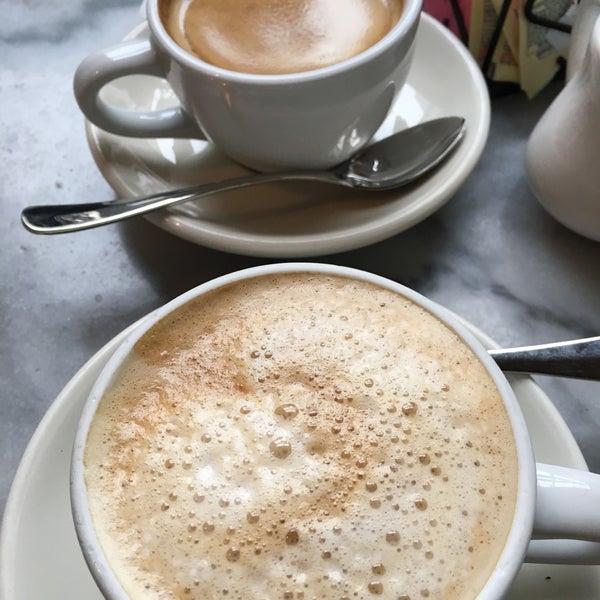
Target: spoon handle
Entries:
(577, 358)
(64, 218)
(392, 162)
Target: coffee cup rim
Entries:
(410, 14)
(519, 535)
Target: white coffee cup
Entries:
(556, 506)
(313, 119)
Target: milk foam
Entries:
(301, 436)
(278, 36)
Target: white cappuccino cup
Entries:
(307, 430)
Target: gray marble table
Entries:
(491, 254)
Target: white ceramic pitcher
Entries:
(587, 13)
(563, 152)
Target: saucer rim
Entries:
(229, 239)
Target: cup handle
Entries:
(127, 58)
(566, 527)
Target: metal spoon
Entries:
(389, 163)
(576, 358)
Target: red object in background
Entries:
(454, 14)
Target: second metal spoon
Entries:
(389, 163)
(576, 358)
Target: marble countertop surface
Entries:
(491, 254)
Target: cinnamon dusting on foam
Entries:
(301, 436)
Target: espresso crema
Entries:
(277, 36)
(301, 436)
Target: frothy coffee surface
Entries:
(278, 36)
(302, 436)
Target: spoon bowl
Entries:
(390, 163)
(403, 157)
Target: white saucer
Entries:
(39, 552)
(301, 219)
